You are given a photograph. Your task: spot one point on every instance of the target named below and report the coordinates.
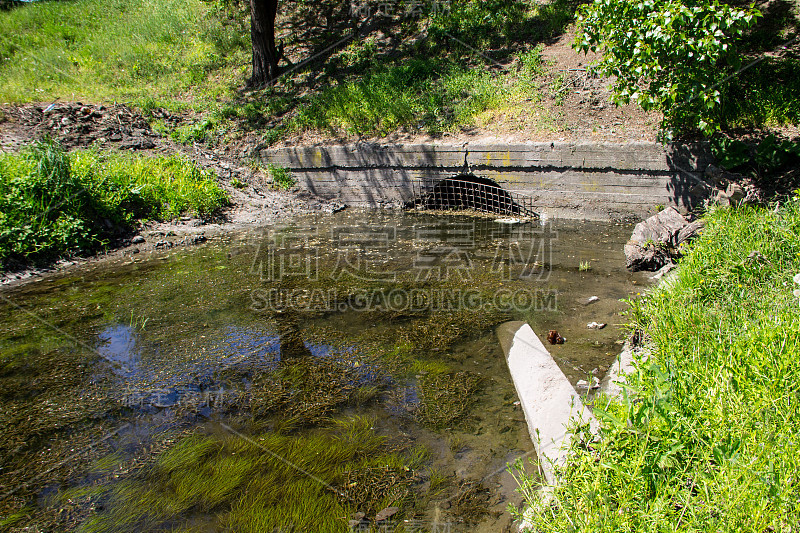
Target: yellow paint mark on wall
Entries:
(591, 186)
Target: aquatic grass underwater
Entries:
(189, 317)
(263, 482)
(705, 438)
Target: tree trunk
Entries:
(262, 33)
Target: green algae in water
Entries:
(446, 398)
(307, 391)
(265, 482)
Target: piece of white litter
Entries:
(595, 325)
(590, 300)
(508, 221)
(583, 384)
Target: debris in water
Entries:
(583, 384)
(553, 337)
(386, 513)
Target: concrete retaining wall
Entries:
(594, 181)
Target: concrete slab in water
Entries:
(548, 399)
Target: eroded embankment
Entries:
(253, 198)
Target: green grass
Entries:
(194, 55)
(53, 203)
(763, 96)
(477, 62)
(706, 437)
(110, 50)
(281, 177)
(425, 95)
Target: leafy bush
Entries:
(730, 153)
(53, 203)
(669, 55)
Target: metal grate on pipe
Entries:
(471, 193)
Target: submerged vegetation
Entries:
(446, 398)
(408, 396)
(704, 438)
(53, 203)
(265, 482)
(308, 390)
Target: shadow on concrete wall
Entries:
(688, 163)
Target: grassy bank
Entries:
(196, 55)
(437, 73)
(53, 203)
(352, 74)
(112, 50)
(706, 439)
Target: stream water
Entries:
(374, 331)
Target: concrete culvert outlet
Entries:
(468, 191)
